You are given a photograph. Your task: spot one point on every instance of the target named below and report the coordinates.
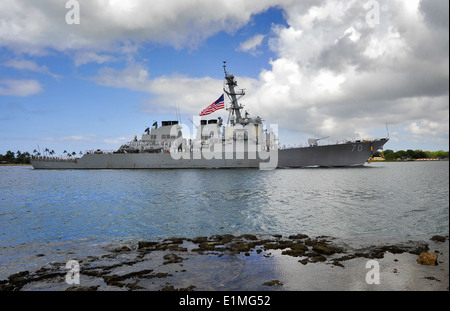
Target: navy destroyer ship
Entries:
(243, 142)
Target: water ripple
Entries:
(387, 199)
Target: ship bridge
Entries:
(163, 133)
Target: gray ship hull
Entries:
(338, 155)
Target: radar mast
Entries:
(229, 88)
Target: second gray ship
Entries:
(244, 142)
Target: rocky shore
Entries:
(245, 262)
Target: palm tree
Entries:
(26, 157)
(9, 155)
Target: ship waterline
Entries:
(355, 153)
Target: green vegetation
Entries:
(18, 157)
(390, 155)
(15, 158)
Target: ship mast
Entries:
(232, 94)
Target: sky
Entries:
(91, 74)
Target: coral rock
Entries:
(427, 259)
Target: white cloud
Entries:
(85, 57)
(424, 127)
(20, 88)
(335, 75)
(167, 91)
(252, 44)
(22, 64)
(71, 138)
(133, 77)
(36, 27)
(116, 141)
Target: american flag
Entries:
(218, 104)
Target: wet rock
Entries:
(206, 246)
(158, 275)
(134, 285)
(18, 280)
(303, 261)
(298, 237)
(241, 247)
(297, 250)
(432, 278)
(122, 249)
(250, 237)
(394, 249)
(117, 280)
(337, 263)
(174, 240)
(82, 288)
(419, 249)
(18, 276)
(171, 244)
(316, 257)
(278, 245)
(427, 259)
(171, 247)
(172, 258)
(146, 244)
(168, 288)
(438, 238)
(171, 288)
(273, 283)
(190, 288)
(323, 247)
(226, 238)
(200, 239)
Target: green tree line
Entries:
(411, 154)
(15, 158)
(18, 157)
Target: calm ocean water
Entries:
(56, 212)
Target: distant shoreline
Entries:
(390, 161)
